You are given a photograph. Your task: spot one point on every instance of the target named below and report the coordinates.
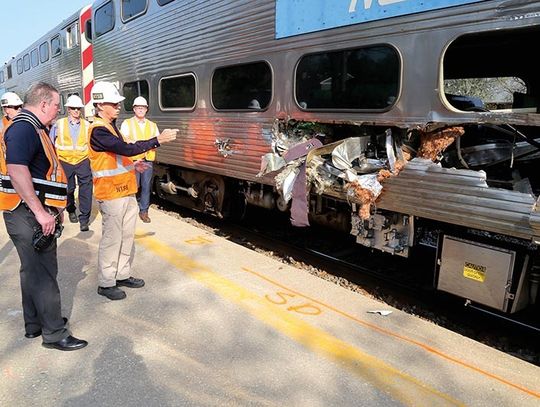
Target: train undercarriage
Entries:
(469, 199)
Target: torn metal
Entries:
(359, 165)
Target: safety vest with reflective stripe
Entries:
(3, 166)
(65, 148)
(114, 175)
(136, 134)
(52, 190)
(5, 123)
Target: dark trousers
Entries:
(39, 288)
(84, 179)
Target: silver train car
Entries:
(54, 58)
(426, 116)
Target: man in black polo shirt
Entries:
(32, 192)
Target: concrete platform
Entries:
(218, 324)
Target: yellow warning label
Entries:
(474, 272)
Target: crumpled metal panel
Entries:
(535, 222)
(460, 197)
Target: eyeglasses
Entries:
(115, 105)
(74, 108)
(14, 107)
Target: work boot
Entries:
(84, 227)
(144, 217)
(112, 293)
(131, 282)
(73, 217)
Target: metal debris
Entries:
(380, 312)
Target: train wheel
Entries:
(158, 193)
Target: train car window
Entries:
(2, 76)
(133, 8)
(133, 89)
(238, 87)
(88, 30)
(56, 46)
(44, 52)
(9, 72)
(503, 81)
(104, 19)
(72, 36)
(20, 69)
(361, 78)
(34, 59)
(163, 2)
(26, 62)
(178, 92)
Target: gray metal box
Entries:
(476, 271)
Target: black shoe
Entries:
(73, 217)
(84, 227)
(38, 333)
(112, 293)
(131, 282)
(69, 343)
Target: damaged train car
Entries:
(404, 123)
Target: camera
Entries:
(39, 240)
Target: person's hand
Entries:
(47, 222)
(141, 165)
(167, 135)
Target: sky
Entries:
(25, 21)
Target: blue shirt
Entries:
(23, 147)
(103, 140)
(74, 129)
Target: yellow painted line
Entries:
(401, 387)
(427, 348)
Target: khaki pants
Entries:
(119, 218)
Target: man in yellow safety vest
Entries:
(70, 136)
(138, 128)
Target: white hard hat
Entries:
(140, 101)
(11, 99)
(254, 104)
(74, 101)
(105, 92)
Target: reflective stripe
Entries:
(56, 197)
(46, 182)
(119, 170)
(72, 148)
(7, 190)
(6, 187)
(110, 173)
